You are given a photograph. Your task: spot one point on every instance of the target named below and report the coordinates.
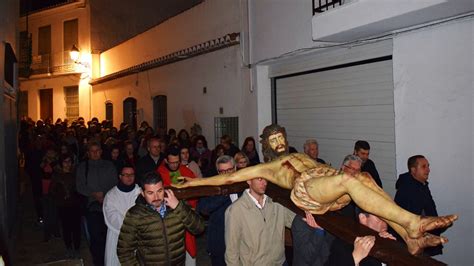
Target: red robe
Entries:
(168, 178)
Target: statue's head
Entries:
(274, 142)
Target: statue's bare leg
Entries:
(328, 189)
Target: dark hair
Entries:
(150, 178)
(412, 161)
(126, 165)
(113, 147)
(183, 131)
(200, 138)
(93, 143)
(268, 153)
(64, 157)
(247, 140)
(150, 140)
(226, 139)
(361, 144)
(173, 150)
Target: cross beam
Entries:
(388, 251)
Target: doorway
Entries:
(46, 104)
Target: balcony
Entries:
(344, 21)
(53, 64)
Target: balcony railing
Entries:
(319, 6)
(56, 63)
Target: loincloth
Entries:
(300, 196)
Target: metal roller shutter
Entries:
(338, 105)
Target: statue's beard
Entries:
(271, 154)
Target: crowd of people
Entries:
(114, 183)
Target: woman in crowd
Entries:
(192, 165)
(130, 157)
(183, 138)
(201, 154)
(241, 160)
(64, 194)
(249, 148)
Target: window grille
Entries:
(71, 97)
(226, 126)
(160, 112)
(319, 6)
(109, 111)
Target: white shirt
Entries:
(256, 201)
(116, 205)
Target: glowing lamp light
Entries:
(74, 53)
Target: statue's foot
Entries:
(417, 245)
(428, 223)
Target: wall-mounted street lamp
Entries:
(76, 57)
(74, 53)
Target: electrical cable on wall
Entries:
(370, 39)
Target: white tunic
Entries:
(116, 205)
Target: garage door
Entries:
(338, 105)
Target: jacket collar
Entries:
(249, 203)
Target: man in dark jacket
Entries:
(151, 161)
(362, 149)
(153, 230)
(414, 195)
(215, 207)
(94, 177)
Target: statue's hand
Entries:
(183, 182)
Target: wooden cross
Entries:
(385, 250)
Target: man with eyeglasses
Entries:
(116, 204)
(215, 207)
(151, 161)
(351, 165)
(171, 170)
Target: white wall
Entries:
(56, 18)
(206, 21)
(278, 27)
(433, 76)
(33, 86)
(183, 83)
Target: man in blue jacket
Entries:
(215, 207)
(414, 195)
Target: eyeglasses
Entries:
(352, 168)
(128, 175)
(226, 171)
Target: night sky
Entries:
(34, 5)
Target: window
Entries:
(25, 54)
(42, 63)
(71, 96)
(226, 126)
(44, 40)
(159, 112)
(130, 112)
(70, 38)
(109, 111)
(46, 104)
